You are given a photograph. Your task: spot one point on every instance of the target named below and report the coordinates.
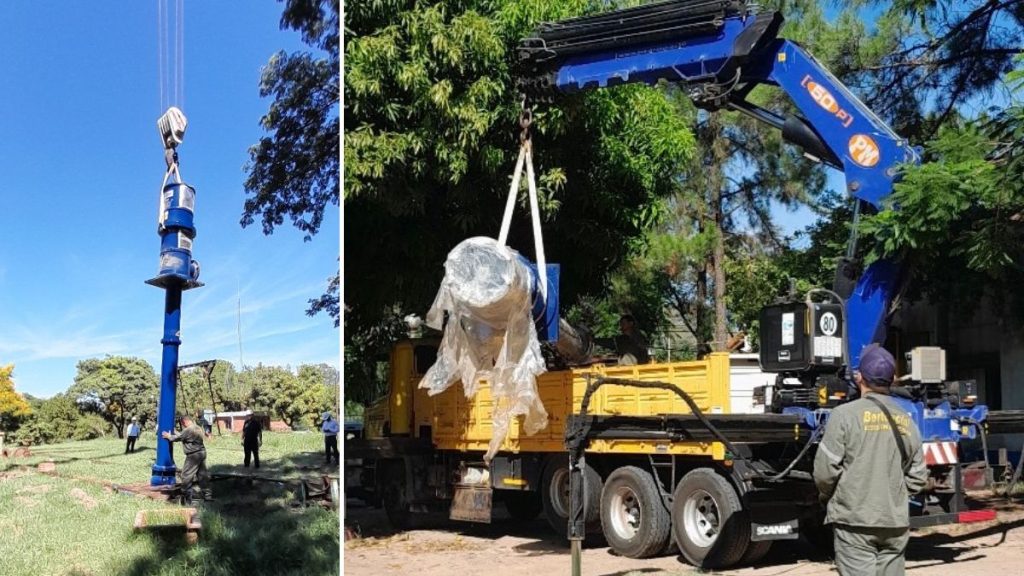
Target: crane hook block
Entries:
(172, 127)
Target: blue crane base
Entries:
(163, 475)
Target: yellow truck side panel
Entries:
(465, 424)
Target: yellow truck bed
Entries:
(462, 424)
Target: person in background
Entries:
(133, 435)
(252, 439)
(194, 470)
(868, 465)
(205, 422)
(330, 429)
(630, 345)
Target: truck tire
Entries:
(393, 496)
(755, 552)
(522, 506)
(634, 519)
(708, 522)
(554, 495)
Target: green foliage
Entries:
(13, 407)
(958, 217)
(297, 399)
(431, 116)
(194, 392)
(354, 410)
(811, 258)
(366, 376)
(117, 388)
(293, 171)
(329, 301)
(949, 52)
(58, 419)
(320, 384)
(754, 282)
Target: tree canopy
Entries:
(950, 52)
(13, 406)
(297, 399)
(117, 388)
(61, 418)
(672, 213)
(431, 115)
(958, 217)
(293, 171)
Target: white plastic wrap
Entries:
(490, 334)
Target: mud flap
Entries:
(472, 503)
(788, 530)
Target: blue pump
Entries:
(178, 272)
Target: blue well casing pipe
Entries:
(178, 272)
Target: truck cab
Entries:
(395, 413)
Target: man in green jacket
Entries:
(191, 438)
(862, 476)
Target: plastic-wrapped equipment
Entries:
(487, 292)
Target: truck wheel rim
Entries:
(701, 518)
(625, 512)
(559, 492)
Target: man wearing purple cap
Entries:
(865, 477)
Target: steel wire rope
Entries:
(160, 51)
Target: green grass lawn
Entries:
(71, 524)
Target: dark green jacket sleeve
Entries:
(917, 475)
(184, 435)
(828, 462)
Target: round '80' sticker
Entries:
(828, 323)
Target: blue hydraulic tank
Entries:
(178, 272)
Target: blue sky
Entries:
(80, 170)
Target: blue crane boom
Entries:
(718, 51)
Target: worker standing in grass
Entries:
(252, 439)
(868, 465)
(191, 438)
(330, 429)
(133, 435)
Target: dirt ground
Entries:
(509, 548)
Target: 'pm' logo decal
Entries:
(863, 150)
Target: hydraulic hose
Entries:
(984, 446)
(573, 435)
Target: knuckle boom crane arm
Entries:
(718, 51)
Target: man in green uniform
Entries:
(863, 476)
(191, 438)
(629, 345)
